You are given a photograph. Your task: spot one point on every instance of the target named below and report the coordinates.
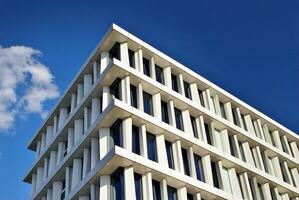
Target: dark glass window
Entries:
(156, 190)
(243, 121)
(147, 103)
(117, 182)
(159, 74)
(164, 112)
(151, 146)
(174, 82)
(222, 110)
(135, 140)
(138, 186)
(235, 117)
(171, 193)
(200, 93)
(193, 123)
(115, 89)
(115, 51)
(178, 119)
(169, 152)
(231, 145)
(199, 168)
(146, 67)
(187, 90)
(131, 58)
(133, 93)
(185, 162)
(214, 174)
(116, 132)
(189, 196)
(62, 196)
(208, 133)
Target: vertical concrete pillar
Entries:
(267, 134)
(247, 153)
(266, 191)
(236, 190)
(187, 122)
(197, 196)
(73, 101)
(259, 129)
(129, 185)
(77, 172)
(249, 125)
(104, 61)
(105, 187)
(43, 142)
(285, 144)
(95, 109)
(295, 175)
(217, 105)
(245, 186)
(86, 162)
(177, 156)
(276, 139)
(228, 112)
(161, 150)
(163, 189)
(225, 141)
(104, 141)
(49, 135)
(52, 161)
(60, 153)
(191, 162)
(127, 133)
(124, 53)
(295, 150)
(95, 152)
(94, 192)
(96, 71)
(38, 149)
(236, 147)
(157, 106)
(167, 77)
(207, 170)
(105, 97)
(45, 174)
(33, 184)
(57, 189)
(139, 60)
(181, 84)
(277, 168)
(182, 193)
(70, 139)
(194, 93)
(55, 124)
(152, 67)
(143, 144)
(206, 98)
(87, 83)
(147, 188)
(68, 174)
(62, 117)
(201, 127)
(125, 90)
(80, 93)
(140, 97)
(171, 114)
(49, 194)
(286, 173)
(258, 158)
(78, 130)
(85, 197)
(86, 119)
(285, 196)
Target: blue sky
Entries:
(249, 48)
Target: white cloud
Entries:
(25, 84)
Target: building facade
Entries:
(135, 124)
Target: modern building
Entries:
(135, 124)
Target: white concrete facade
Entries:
(135, 124)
